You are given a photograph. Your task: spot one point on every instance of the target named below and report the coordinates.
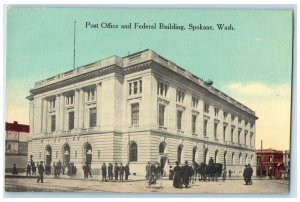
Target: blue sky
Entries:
(252, 63)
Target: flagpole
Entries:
(74, 44)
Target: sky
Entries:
(252, 64)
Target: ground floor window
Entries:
(133, 152)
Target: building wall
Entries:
(114, 131)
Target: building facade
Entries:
(16, 145)
(269, 163)
(287, 163)
(137, 109)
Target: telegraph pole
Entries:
(261, 158)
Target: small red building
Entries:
(269, 163)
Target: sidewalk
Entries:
(132, 178)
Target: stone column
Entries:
(57, 103)
(61, 112)
(98, 104)
(44, 115)
(76, 109)
(31, 117)
(80, 109)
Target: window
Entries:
(225, 115)
(232, 130)
(133, 152)
(258, 159)
(205, 128)
(216, 130)
(195, 102)
(135, 87)
(194, 119)
(135, 114)
(71, 120)
(53, 121)
(179, 96)
(70, 99)
(161, 116)
(9, 146)
(216, 112)
(162, 89)
(179, 119)
(179, 153)
(239, 136)
(52, 104)
(161, 148)
(232, 118)
(245, 138)
(91, 94)
(206, 108)
(224, 133)
(240, 120)
(93, 117)
(251, 135)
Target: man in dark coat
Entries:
(85, 171)
(186, 172)
(246, 174)
(250, 174)
(103, 171)
(28, 169)
(127, 172)
(116, 171)
(110, 171)
(121, 172)
(148, 170)
(14, 171)
(41, 171)
(177, 176)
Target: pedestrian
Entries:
(64, 169)
(148, 170)
(211, 161)
(229, 173)
(186, 172)
(121, 172)
(41, 171)
(85, 171)
(55, 170)
(224, 173)
(127, 172)
(103, 171)
(110, 171)
(14, 170)
(28, 169)
(246, 174)
(250, 174)
(116, 171)
(89, 168)
(171, 173)
(33, 168)
(177, 176)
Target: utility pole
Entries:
(261, 158)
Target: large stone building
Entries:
(136, 109)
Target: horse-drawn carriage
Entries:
(209, 172)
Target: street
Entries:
(140, 186)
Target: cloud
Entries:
(271, 104)
(259, 89)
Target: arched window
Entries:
(162, 148)
(225, 160)
(232, 159)
(246, 159)
(240, 159)
(206, 156)
(179, 153)
(217, 156)
(133, 152)
(194, 154)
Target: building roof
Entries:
(270, 150)
(127, 62)
(16, 127)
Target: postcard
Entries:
(136, 100)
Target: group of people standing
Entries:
(182, 176)
(117, 171)
(153, 172)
